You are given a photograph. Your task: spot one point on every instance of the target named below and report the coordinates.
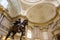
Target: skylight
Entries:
(4, 3)
(32, 0)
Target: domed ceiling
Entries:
(41, 13)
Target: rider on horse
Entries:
(14, 29)
(18, 26)
(17, 22)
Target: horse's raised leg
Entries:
(8, 35)
(13, 35)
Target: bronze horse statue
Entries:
(15, 29)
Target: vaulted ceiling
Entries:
(39, 11)
(19, 7)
